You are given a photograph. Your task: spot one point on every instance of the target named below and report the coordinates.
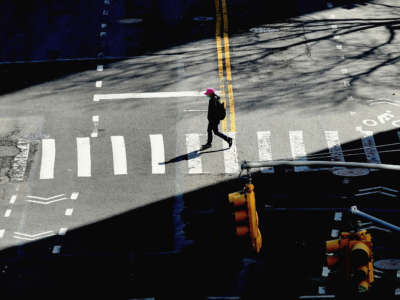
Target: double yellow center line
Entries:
(223, 52)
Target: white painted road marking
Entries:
(99, 84)
(7, 213)
(332, 140)
(31, 237)
(265, 149)
(194, 160)
(56, 249)
(230, 155)
(334, 233)
(100, 68)
(370, 150)
(13, 199)
(157, 154)
(48, 159)
(63, 231)
(98, 97)
(74, 195)
(69, 211)
(119, 155)
(84, 161)
(338, 216)
(325, 271)
(298, 149)
(2, 231)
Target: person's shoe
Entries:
(205, 146)
(230, 142)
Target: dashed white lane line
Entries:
(119, 155)
(103, 25)
(2, 231)
(84, 161)
(105, 12)
(63, 231)
(265, 149)
(334, 26)
(157, 154)
(74, 195)
(56, 249)
(95, 120)
(339, 47)
(99, 84)
(122, 96)
(325, 271)
(334, 233)
(194, 159)
(13, 199)
(69, 211)
(230, 156)
(100, 68)
(7, 213)
(48, 159)
(338, 216)
(103, 34)
(337, 37)
(344, 71)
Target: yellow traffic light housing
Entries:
(246, 216)
(354, 252)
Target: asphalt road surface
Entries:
(104, 189)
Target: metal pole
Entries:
(354, 210)
(317, 163)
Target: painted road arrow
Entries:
(377, 190)
(32, 237)
(45, 201)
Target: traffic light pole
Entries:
(247, 165)
(354, 210)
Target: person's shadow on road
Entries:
(190, 155)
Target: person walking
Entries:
(214, 116)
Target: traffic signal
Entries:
(351, 255)
(361, 262)
(246, 217)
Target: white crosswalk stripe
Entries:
(48, 159)
(83, 157)
(265, 149)
(119, 155)
(298, 149)
(369, 146)
(230, 156)
(157, 154)
(332, 140)
(194, 159)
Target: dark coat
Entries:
(212, 114)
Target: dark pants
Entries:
(213, 127)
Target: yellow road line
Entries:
(228, 69)
(220, 60)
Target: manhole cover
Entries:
(351, 172)
(8, 151)
(388, 264)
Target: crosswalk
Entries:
(194, 159)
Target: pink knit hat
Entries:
(209, 92)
